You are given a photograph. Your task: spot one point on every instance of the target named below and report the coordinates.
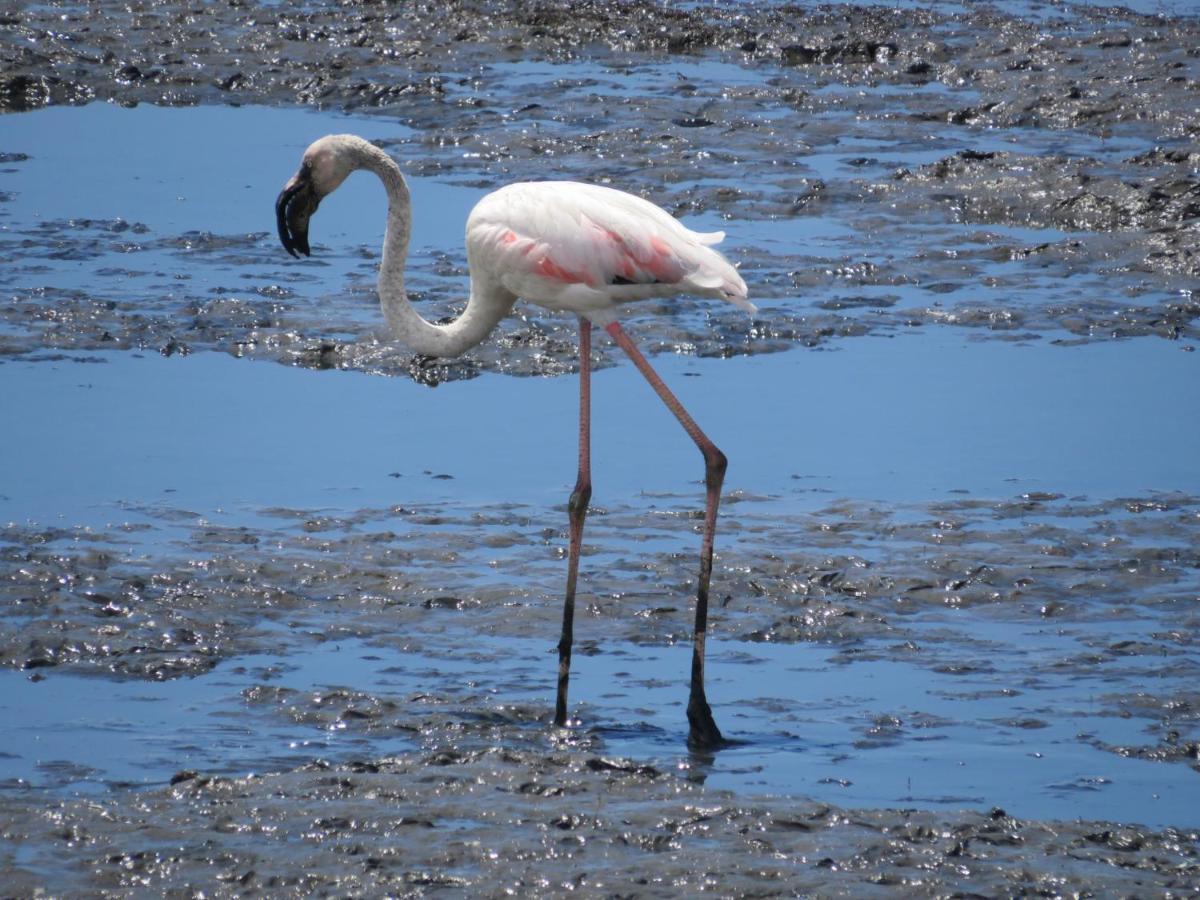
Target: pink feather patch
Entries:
(548, 268)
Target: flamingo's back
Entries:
(587, 248)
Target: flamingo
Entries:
(568, 247)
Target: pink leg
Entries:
(576, 510)
(703, 731)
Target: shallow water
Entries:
(229, 440)
(289, 613)
(872, 734)
(167, 252)
(900, 419)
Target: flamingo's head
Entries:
(325, 165)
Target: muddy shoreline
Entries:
(488, 822)
(1025, 179)
(1022, 178)
(489, 782)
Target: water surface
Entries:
(956, 569)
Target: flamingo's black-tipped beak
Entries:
(293, 207)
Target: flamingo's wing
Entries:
(543, 240)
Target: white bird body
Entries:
(568, 247)
(587, 249)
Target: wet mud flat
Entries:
(419, 754)
(878, 169)
(274, 659)
(989, 694)
(557, 822)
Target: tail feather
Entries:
(741, 302)
(714, 275)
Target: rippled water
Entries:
(899, 419)
(152, 460)
(870, 734)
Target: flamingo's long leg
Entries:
(577, 511)
(703, 731)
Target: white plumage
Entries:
(587, 249)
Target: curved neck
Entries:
(484, 307)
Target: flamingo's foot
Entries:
(703, 733)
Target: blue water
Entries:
(891, 419)
(92, 439)
(211, 169)
(809, 723)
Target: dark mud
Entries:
(1025, 177)
(877, 169)
(497, 801)
(560, 821)
(853, 574)
(483, 795)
